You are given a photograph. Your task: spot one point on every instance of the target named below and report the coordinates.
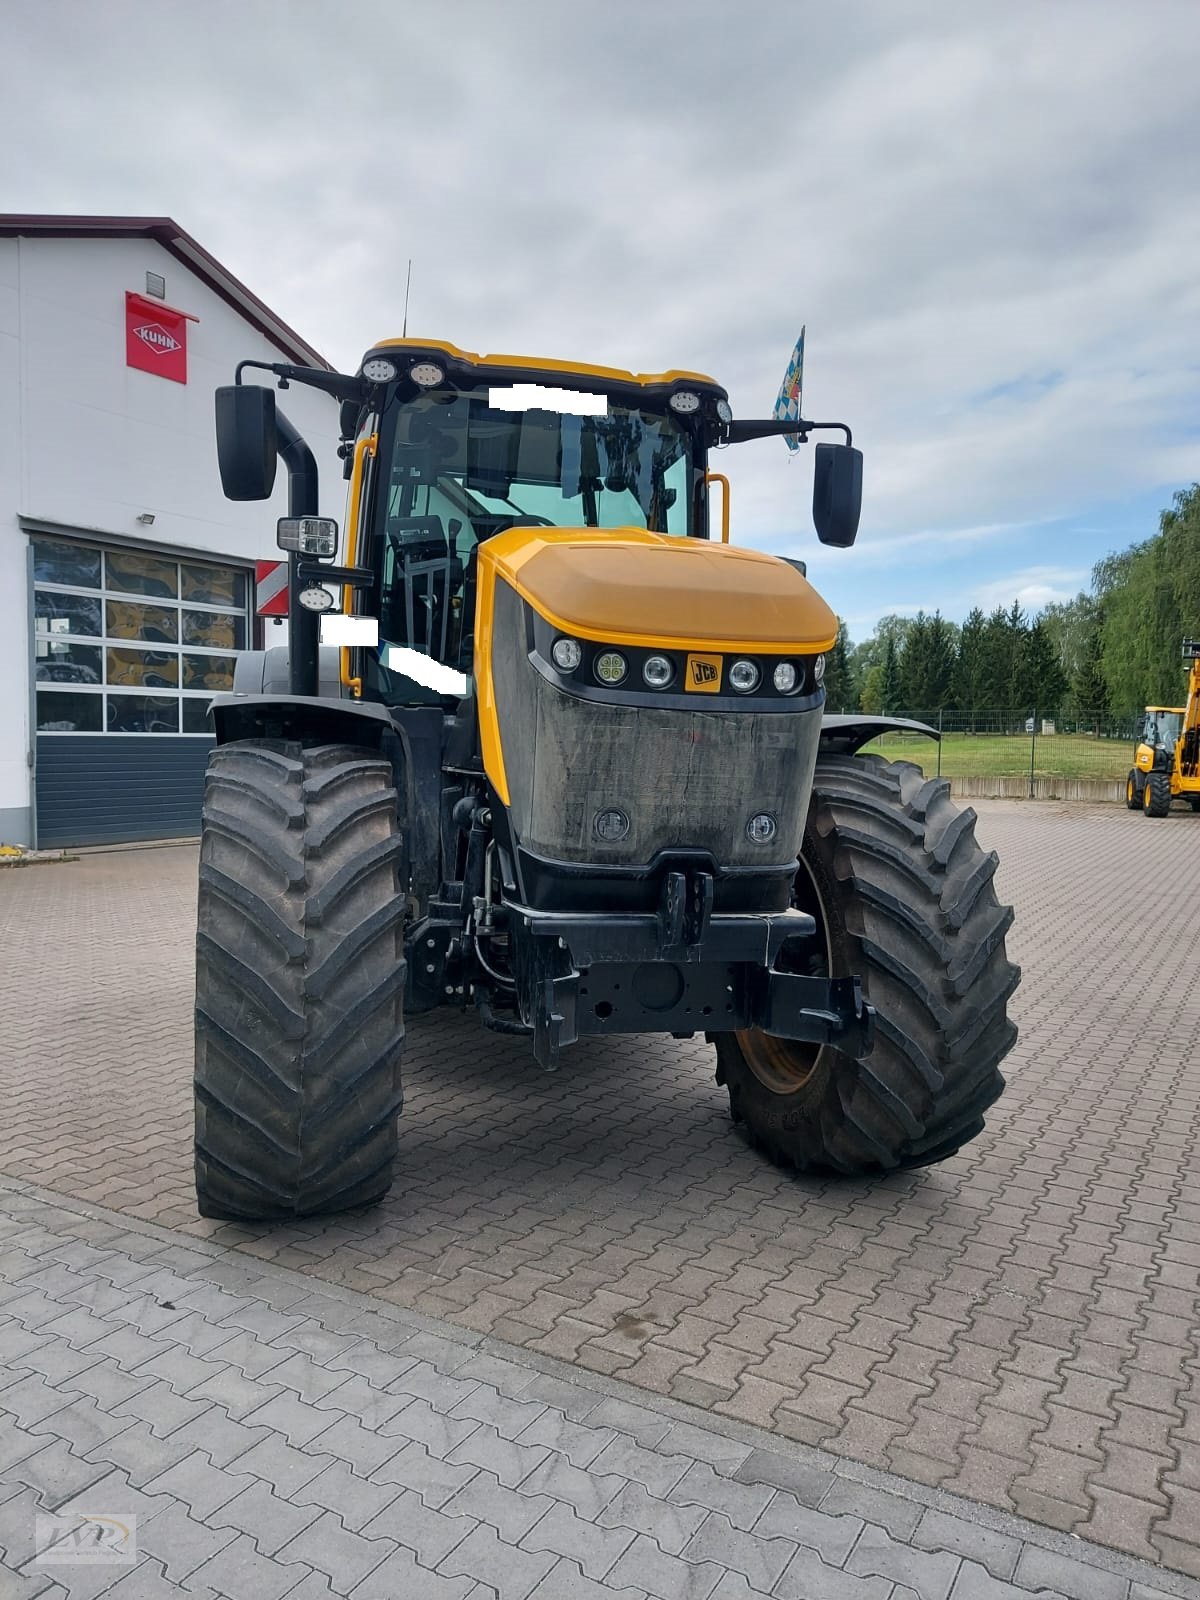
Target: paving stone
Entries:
(353, 1498)
(1046, 1569)
(572, 1399)
(357, 1398)
(760, 1560)
(663, 1575)
(899, 1516)
(581, 1445)
(511, 1512)
(344, 1557)
(930, 1573)
(657, 1473)
(565, 1581)
(508, 1417)
(269, 1520)
(647, 1427)
(484, 1556)
(439, 1434)
(742, 1503)
(408, 1521)
(181, 1543)
(589, 1492)
(238, 1570)
(670, 1526)
(440, 1390)
(139, 1454)
(833, 1537)
(808, 1483)
(809, 1578)
(972, 1540)
(201, 1486)
(287, 1414)
(398, 1577)
(596, 1549)
(432, 1478)
(55, 1473)
(510, 1462)
(727, 1455)
(276, 1463)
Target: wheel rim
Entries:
(1130, 791)
(784, 1066)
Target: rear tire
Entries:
(299, 981)
(1156, 796)
(903, 895)
(1133, 790)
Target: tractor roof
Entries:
(505, 368)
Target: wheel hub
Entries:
(785, 1065)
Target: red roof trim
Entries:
(179, 243)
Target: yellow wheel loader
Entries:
(548, 748)
(1166, 763)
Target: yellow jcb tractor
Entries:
(1166, 763)
(547, 747)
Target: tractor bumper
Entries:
(681, 971)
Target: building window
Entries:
(129, 642)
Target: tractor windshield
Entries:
(1163, 728)
(456, 471)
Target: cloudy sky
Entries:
(988, 215)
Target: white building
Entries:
(126, 577)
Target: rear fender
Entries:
(846, 735)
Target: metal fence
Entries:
(1080, 754)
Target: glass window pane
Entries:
(208, 672)
(64, 661)
(156, 669)
(68, 713)
(195, 716)
(66, 613)
(213, 586)
(222, 630)
(56, 561)
(134, 573)
(128, 620)
(142, 713)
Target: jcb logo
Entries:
(703, 675)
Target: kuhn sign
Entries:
(156, 338)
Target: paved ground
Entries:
(254, 1439)
(1018, 1326)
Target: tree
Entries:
(840, 692)
(870, 698)
(969, 684)
(889, 679)
(1040, 683)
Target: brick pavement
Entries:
(1018, 1325)
(274, 1438)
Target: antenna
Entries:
(407, 286)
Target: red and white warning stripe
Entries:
(271, 588)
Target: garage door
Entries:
(129, 648)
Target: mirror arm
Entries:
(739, 432)
(339, 384)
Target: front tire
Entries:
(1133, 790)
(299, 981)
(1156, 796)
(903, 896)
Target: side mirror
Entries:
(837, 493)
(246, 441)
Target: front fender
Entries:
(846, 735)
(294, 716)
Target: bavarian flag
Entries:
(791, 393)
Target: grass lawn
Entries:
(1055, 755)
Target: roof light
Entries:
(427, 374)
(379, 370)
(684, 401)
(724, 411)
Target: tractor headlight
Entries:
(316, 598)
(784, 677)
(819, 669)
(611, 667)
(567, 654)
(744, 676)
(657, 671)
